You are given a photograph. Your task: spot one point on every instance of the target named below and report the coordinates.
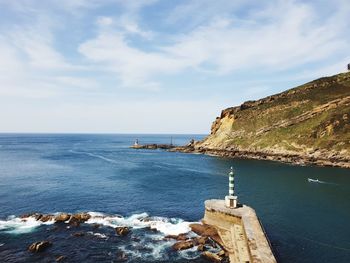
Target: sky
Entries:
(157, 66)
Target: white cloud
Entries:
(31, 68)
(104, 21)
(133, 28)
(291, 38)
(55, 73)
(38, 50)
(282, 36)
(134, 66)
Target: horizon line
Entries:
(99, 133)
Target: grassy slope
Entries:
(329, 129)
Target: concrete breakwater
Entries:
(152, 146)
(240, 232)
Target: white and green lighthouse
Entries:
(231, 199)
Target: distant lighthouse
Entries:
(231, 199)
(136, 143)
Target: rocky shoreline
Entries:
(204, 238)
(317, 158)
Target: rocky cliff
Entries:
(309, 124)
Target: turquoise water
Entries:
(305, 222)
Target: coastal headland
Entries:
(306, 125)
(309, 124)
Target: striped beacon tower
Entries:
(231, 199)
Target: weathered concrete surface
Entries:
(240, 231)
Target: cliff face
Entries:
(306, 124)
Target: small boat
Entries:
(313, 180)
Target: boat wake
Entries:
(104, 158)
(95, 156)
(310, 180)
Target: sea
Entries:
(158, 193)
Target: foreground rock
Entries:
(62, 217)
(77, 219)
(189, 243)
(182, 245)
(201, 240)
(212, 257)
(45, 218)
(206, 231)
(39, 246)
(177, 237)
(122, 230)
(201, 248)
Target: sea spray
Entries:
(167, 226)
(16, 225)
(147, 241)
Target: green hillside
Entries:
(311, 120)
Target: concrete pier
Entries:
(240, 231)
(152, 146)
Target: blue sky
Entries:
(151, 66)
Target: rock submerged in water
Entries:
(121, 256)
(96, 226)
(177, 237)
(79, 234)
(60, 258)
(39, 246)
(122, 230)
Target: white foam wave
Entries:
(190, 254)
(149, 251)
(162, 224)
(99, 235)
(165, 226)
(158, 250)
(148, 247)
(16, 225)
